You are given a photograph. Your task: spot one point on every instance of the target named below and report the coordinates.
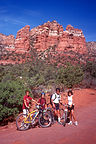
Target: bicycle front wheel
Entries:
(52, 115)
(45, 120)
(62, 117)
(21, 125)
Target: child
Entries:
(42, 100)
(26, 100)
(71, 108)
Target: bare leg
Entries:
(70, 116)
(70, 123)
(58, 113)
(55, 112)
(72, 112)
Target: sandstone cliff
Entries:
(48, 40)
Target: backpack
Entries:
(51, 99)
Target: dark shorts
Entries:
(71, 108)
(56, 106)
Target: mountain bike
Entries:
(51, 111)
(44, 119)
(64, 114)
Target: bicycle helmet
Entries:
(42, 93)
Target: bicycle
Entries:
(51, 111)
(64, 118)
(44, 119)
(64, 114)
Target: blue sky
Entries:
(15, 14)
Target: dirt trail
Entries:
(84, 133)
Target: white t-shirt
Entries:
(56, 98)
(70, 100)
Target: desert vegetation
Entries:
(36, 72)
(15, 79)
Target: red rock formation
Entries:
(22, 43)
(51, 33)
(43, 37)
(46, 35)
(7, 41)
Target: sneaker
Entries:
(76, 123)
(70, 123)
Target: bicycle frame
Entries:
(30, 116)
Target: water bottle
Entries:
(34, 114)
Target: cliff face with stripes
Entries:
(49, 39)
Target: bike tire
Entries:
(20, 123)
(52, 116)
(66, 116)
(62, 117)
(44, 118)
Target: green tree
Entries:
(91, 68)
(70, 75)
(11, 98)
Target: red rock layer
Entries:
(51, 33)
(22, 43)
(7, 42)
(43, 37)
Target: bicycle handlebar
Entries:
(64, 104)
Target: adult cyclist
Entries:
(56, 102)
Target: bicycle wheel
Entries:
(45, 120)
(66, 116)
(20, 123)
(52, 115)
(62, 117)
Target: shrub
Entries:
(91, 68)
(11, 98)
(70, 75)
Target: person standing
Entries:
(26, 101)
(56, 102)
(71, 108)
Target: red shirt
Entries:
(42, 102)
(27, 99)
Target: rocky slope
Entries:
(91, 46)
(49, 41)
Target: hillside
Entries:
(91, 46)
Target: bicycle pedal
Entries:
(60, 123)
(33, 122)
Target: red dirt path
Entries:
(84, 133)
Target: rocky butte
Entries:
(68, 42)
